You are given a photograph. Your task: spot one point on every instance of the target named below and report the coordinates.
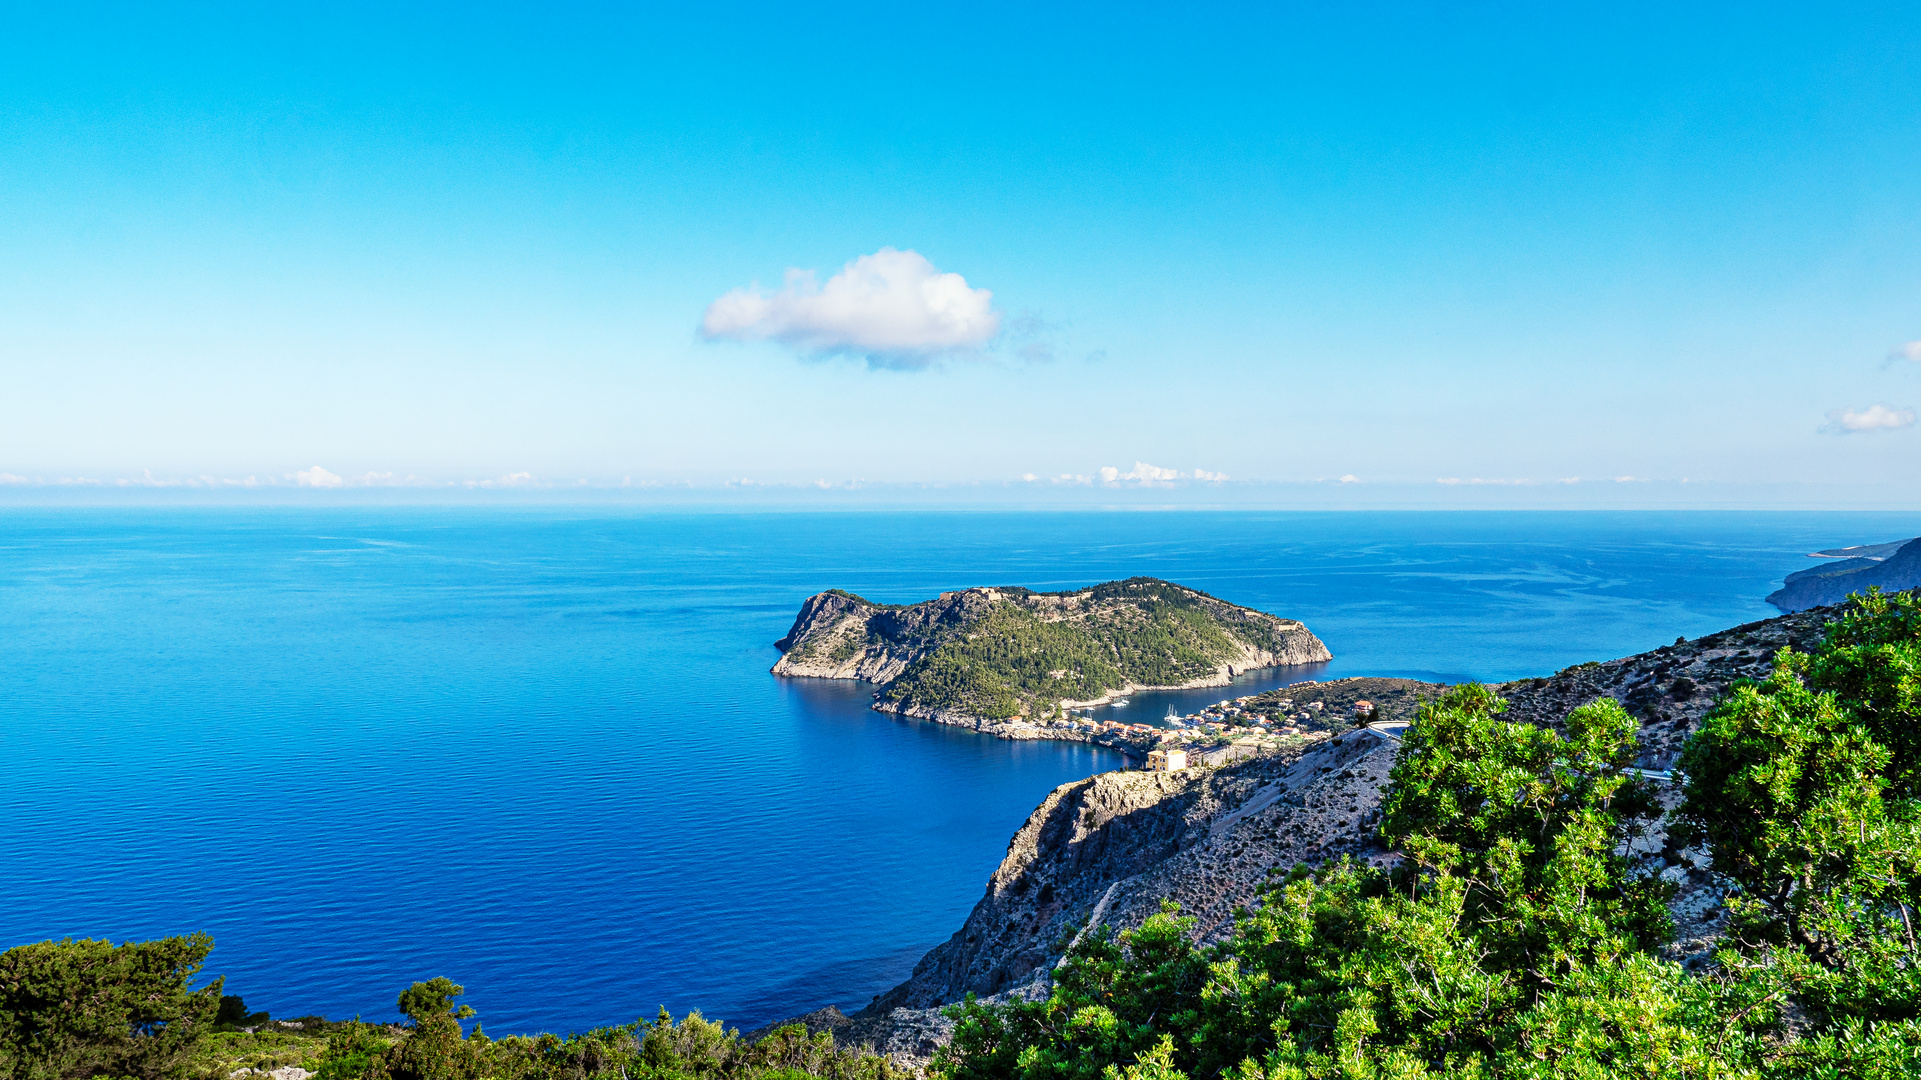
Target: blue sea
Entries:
(539, 751)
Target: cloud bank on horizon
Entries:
(317, 477)
(1872, 418)
(1143, 473)
(893, 307)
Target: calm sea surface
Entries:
(539, 752)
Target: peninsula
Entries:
(1012, 662)
(1892, 567)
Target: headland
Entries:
(1020, 664)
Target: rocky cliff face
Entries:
(1670, 688)
(1831, 584)
(840, 636)
(1106, 850)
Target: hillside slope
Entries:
(1001, 653)
(1106, 850)
(1831, 584)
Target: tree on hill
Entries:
(1805, 789)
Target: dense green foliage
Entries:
(1518, 940)
(92, 1008)
(1804, 787)
(76, 1010)
(661, 1049)
(1142, 630)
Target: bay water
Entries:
(539, 751)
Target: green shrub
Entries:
(72, 1009)
(354, 1052)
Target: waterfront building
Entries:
(1166, 760)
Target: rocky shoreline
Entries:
(1135, 737)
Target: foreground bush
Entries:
(435, 1048)
(75, 1009)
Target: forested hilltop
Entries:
(1003, 653)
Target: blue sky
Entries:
(1420, 243)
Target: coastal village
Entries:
(1229, 730)
(1241, 727)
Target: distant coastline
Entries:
(1890, 566)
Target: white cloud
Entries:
(1350, 478)
(317, 477)
(394, 479)
(505, 480)
(893, 307)
(1568, 480)
(1142, 472)
(8, 479)
(1872, 418)
(148, 479)
(1478, 481)
(1910, 352)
